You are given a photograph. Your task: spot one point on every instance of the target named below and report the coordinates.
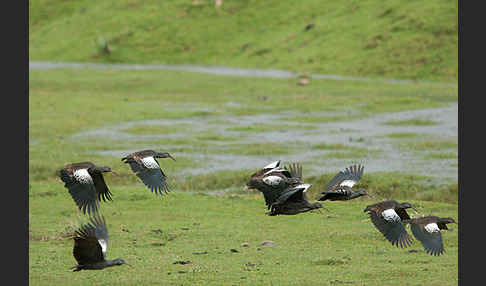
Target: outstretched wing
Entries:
(83, 192)
(155, 180)
(349, 177)
(296, 193)
(295, 170)
(431, 241)
(90, 241)
(101, 188)
(148, 170)
(394, 231)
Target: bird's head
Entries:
(164, 155)
(255, 180)
(318, 205)
(407, 205)
(105, 169)
(362, 192)
(120, 261)
(252, 183)
(448, 220)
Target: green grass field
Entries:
(392, 39)
(192, 223)
(221, 129)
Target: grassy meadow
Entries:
(221, 129)
(97, 115)
(393, 39)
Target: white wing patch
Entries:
(103, 244)
(305, 186)
(83, 176)
(390, 215)
(349, 183)
(341, 191)
(272, 180)
(432, 227)
(276, 169)
(150, 163)
(272, 165)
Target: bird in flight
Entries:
(145, 165)
(86, 184)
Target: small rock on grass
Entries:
(415, 250)
(303, 81)
(182, 262)
(199, 253)
(267, 243)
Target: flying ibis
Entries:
(90, 244)
(86, 184)
(145, 165)
(388, 216)
(282, 188)
(427, 230)
(340, 187)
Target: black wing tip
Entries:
(435, 252)
(159, 190)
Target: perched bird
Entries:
(283, 189)
(427, 230)
(293, 201)
(388, 217)
(145, 165)
(86, 184)
(340, 187)
(90, 243)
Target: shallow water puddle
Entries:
(368, 133)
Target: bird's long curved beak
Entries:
(171, 157)
(115, 173)
(128, 264)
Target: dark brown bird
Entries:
(388, 217)
(145, 165)
(90, 244)
(340, 187)
(272, 180)
(427, 231)
(282, 188)
(293, 201)
(86, 185)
